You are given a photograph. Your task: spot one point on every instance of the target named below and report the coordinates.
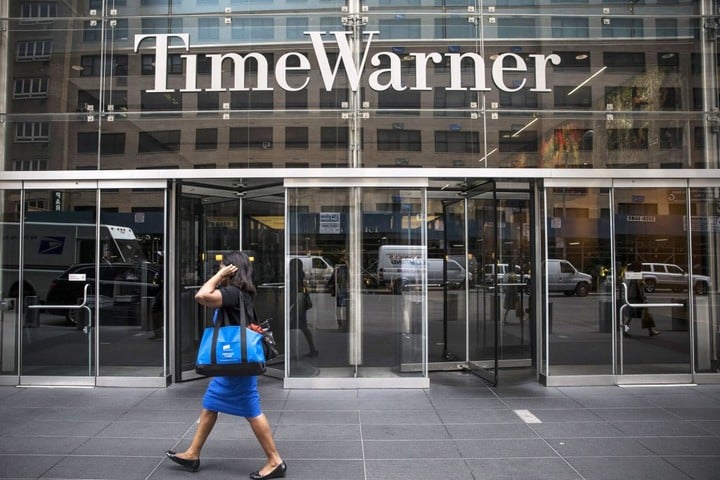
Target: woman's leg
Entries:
(261, 428)
(205, 426)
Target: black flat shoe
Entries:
(278, 472)
(187, 464)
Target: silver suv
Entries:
(669, 275)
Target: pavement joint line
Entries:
(526, 416)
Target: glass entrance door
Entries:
(359, 251)
(501, 326)
(208, 224)
(56, 292)
(653, 262)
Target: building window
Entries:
(520, 99)
(159, 141)
(699, 138)
(88, 98)
(91, 33)
(454, 27)
(568, 139)
(295, 28)
(32, 132)
(208, 29)
(174, 64)
(150, 25)
(570, 27)
(516, 27)
(295, 100)
(253, 29)
(334, 98)
(398, 140)
(253, 137)
(206, 138)
(334, 138)
(30, 88)
(626, 98)
(400, 27)
(115, 65)
(457, 142)
(208, 101)
(627, 139)
(577, 61)
(38, 12)
(450, 100)
(34, 50)
(248, 100)
(580, 98)
(29, 165)
(396, 102)
(161, 102)
(671, 138)
(669, 98)
(296, 137)
(630, 62)
(623, 28)
(110, 143)
(666, 27)
(668, 62)
(518, 142)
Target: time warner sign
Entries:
(388, 77)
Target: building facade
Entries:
(465, 184)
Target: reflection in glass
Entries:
(578, 276)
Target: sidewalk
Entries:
(459, 429)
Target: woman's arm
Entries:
(209, 295)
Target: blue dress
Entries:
(233, 395)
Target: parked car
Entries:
(121, 285)
(669, 275)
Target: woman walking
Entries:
(231, 288)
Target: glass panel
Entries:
(485, 300)
(579, 282)
(263, 237)
(352, 337)
(704, 234)
(208, 225)
(651, 234)
(131, 287)
(393, 335)
(59, 264)
(447, 278)
(10, 305)
(320, 339)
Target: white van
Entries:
(400, 265)
(317, 269)
(564, 277)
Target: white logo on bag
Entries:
(226, 347)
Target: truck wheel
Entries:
(650, 285)
(582, 289)
(701, 288)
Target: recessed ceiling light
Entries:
(581, 56)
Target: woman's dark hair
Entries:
(243, 277)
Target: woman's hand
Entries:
(227, 271)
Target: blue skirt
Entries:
(234, 395)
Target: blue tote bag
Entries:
(230, 350)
